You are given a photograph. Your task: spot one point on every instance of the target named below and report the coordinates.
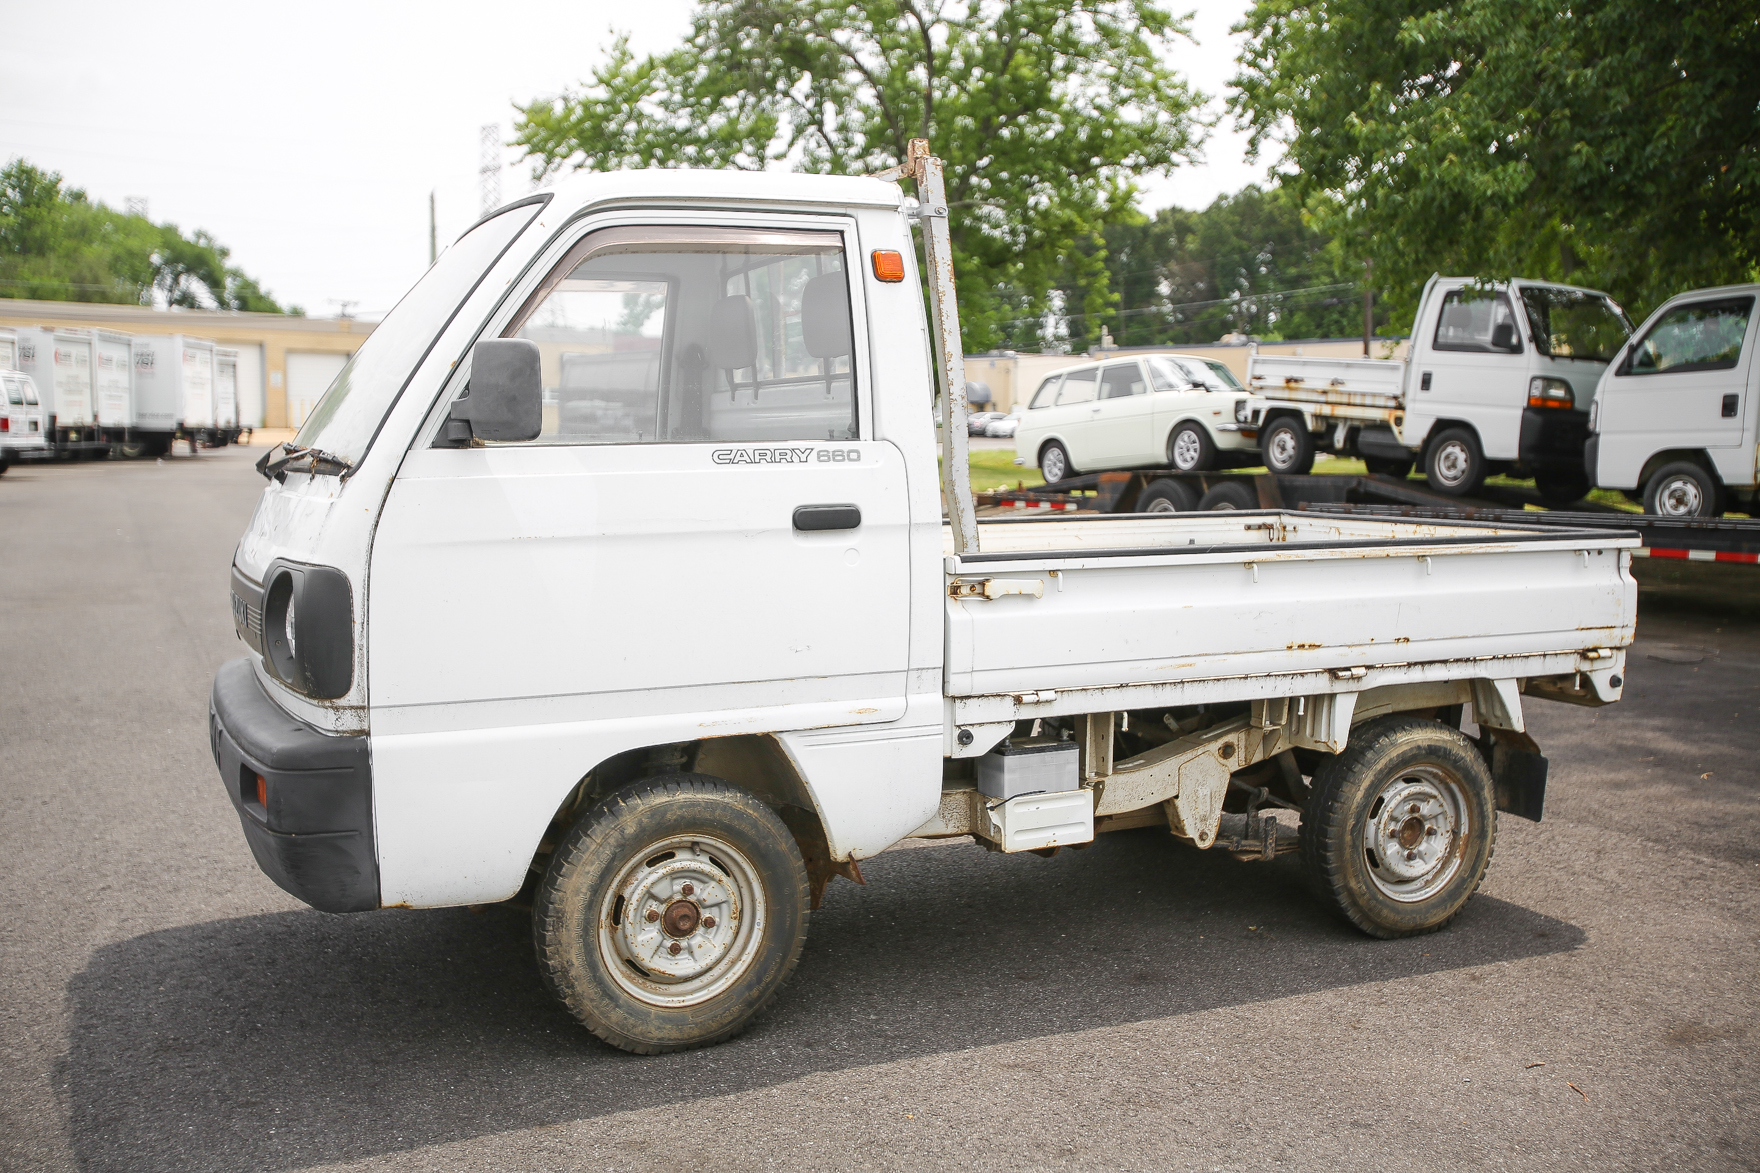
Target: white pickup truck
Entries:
(611, 578)
(1499, 376)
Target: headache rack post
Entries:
(949, 353)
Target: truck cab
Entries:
(1675, 415)
(1499, 377)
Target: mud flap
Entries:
(1518, 771)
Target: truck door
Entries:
(704, 538)
(1684, 384)
(1475, 369)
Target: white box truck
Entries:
(8, 349)
(1499, 377)
(226, 425)
(113, 383)
(174, 389)
(1676, 418)
(663, 662)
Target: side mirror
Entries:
(1503, 336)
(505, 397)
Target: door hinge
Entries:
(995, 588)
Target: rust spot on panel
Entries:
(1300, 647)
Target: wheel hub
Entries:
(1680, 498)
(680, 918)
(1185, 450)
(1283, 448)
(1451, 462)
(1413, 835)
(681, 921)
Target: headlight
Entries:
(308, 629)
(1545, 392)
(1240, 411)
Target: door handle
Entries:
(1424, 381)
(821, 517)
(1731, 403)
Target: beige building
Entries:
(284, 363)
(1012, 378)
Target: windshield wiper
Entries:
(313, 460)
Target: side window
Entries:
(673, 335)
(1478, 322)
(14, 392)
(1046, 395)
(1078, 387)
(1702, 336)
(1121, 380)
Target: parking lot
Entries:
(1135, 1005)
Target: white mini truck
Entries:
(611, 578)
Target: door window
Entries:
(1078, 387)
(1121, 380)
(1702, 336)
(1046, 395)
(675, 335)
(1478, 322)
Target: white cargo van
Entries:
(21, 419)
(1675, 415)
(611, 578)
(1499, 377)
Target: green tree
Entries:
(58, 245)
(1043, 112)
(1613, 143)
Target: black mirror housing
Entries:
(504, 400)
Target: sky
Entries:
(307, 137)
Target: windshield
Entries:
(1574, 323)
(345, 420)
(1177, 374)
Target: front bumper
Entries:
(314, 836)
(1553, 438)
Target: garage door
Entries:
(308, 377)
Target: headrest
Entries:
(825, 315)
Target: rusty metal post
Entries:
(949, 353)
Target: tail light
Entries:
(1544, 392)
(5, 423)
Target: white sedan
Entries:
(1157, 411)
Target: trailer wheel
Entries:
(1400, 827)
(1454, 463)
(131, 449)
(1190, 448)
(1167, 496)
(1229, 495)
(1682, 489)
(671, 914)
(1287, 446)
(1054, 463)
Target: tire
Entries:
(1559, 488)
(131, 449)
(1454, 464)
(1286, 446)
(1167, 496)
(1381, 466)
(715, 871)
(1682, 489)
(1054, 463)
(1190, 449)
(1230, 495)
(1420, 787)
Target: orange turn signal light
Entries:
(888, 265)
(262, 792)
(1549, 401)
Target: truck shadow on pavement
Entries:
(295, 1038)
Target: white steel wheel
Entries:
(671, 913)
(1400, 827)
(1682, 489)
(683, 921)
(1453, 464)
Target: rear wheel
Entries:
(1287, 446)
(1190, 449)
(671, 914)
(1682, 489)
(1230, 495)
(1054, 463)
(1454, 463)
(1167, 496)
(1400, 827)
(132, 449)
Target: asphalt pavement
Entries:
(1136, 1005)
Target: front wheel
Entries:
(1287, 446)
(1399, 828)
(671, 914)
(1054, 463)
(1682, 489)
(1454, 463)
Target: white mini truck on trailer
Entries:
(611, 578)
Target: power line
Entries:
(489, 165)
(1184, 305)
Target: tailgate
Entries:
(1093, 603)
(1377, 383)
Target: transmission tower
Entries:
(489, 165)
(135, 206)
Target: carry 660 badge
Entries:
(786, 455)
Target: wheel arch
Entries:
(1696, 456)
(1439, 426)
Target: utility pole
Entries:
(1368, 305)
(433, 251)
(489, 165)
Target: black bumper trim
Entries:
(1553, 438)
(315, 839)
